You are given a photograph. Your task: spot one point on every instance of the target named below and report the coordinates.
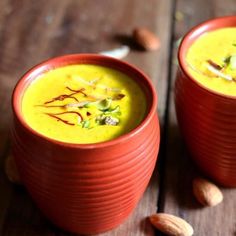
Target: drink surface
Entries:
(211, 60)
(83, 104)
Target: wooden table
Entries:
(32, 31)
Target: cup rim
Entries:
(195, 32)
(83, 58)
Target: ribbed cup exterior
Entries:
(206, 118)
(208, 124)
(87, 189)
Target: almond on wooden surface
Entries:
(146, 39)
(11, 170)
(171, 225)
(207, 193)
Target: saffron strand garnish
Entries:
(60, 119)
(51, 106)
(56, 116)
(64, 96)
(77, 91)
(68, 112)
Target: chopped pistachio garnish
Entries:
(101, 105)
(232, 62)
(85, 123)
(104, 104)
(226, 61)
(115, 111)
(99, 119)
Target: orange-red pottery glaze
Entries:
(86, 188)
(207, 119)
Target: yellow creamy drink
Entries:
(212, 60)
(83, 104)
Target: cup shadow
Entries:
(24, 218)
(127, 40)
(179, 172)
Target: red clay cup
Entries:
(86, 188)
(207, 119)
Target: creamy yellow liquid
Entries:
(100, 86)
(218, 46)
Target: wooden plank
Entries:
(177, 197)
(32, 31)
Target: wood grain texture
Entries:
(32, 31)
(177, 197)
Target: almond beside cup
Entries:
(207, 193)
(171, 225)
(146, 39)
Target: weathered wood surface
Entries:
(177, 197)
(32, 31)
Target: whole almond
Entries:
(11, 170)
(207, 193)
(146, 39)
(171, 225)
